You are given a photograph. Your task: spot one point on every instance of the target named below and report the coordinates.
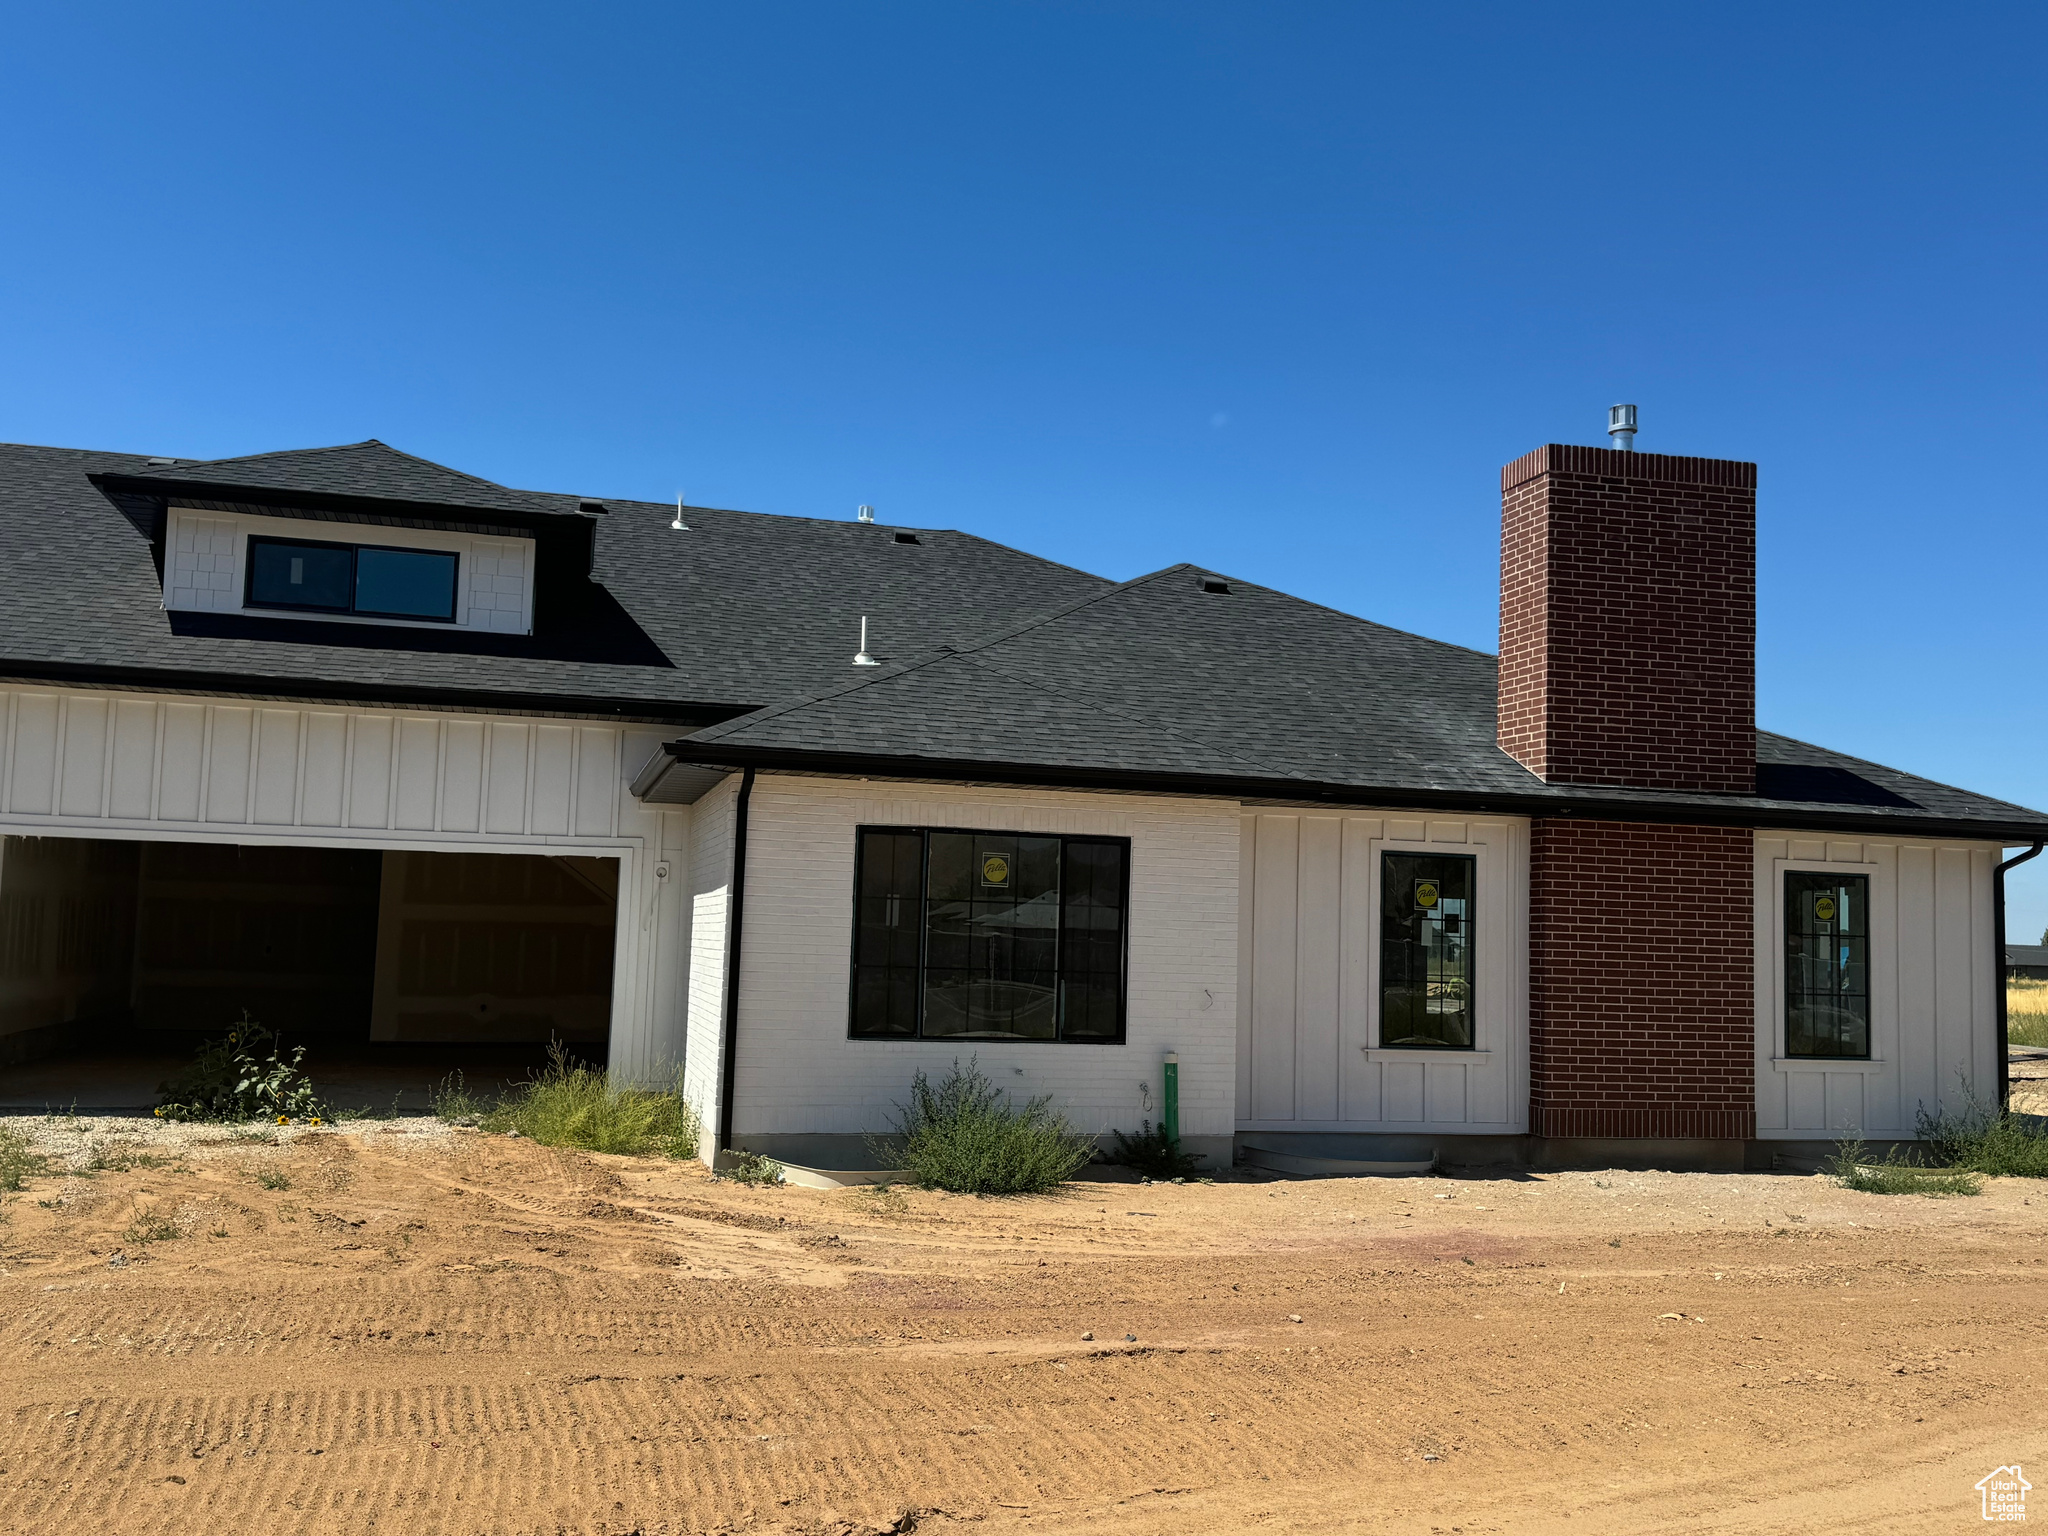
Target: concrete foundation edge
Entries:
(851, 1151)
(1559, 1153)
(851, 1154)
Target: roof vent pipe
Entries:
(679, 525)
(1621, 426)
(865, 514)
(864, 659)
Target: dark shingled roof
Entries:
(998, 665)
(743, 609)
(368, 468)
(1291, 699)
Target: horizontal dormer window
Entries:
(339, 572)
(363, 579)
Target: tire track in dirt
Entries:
(711, 1439)
(586, 1382)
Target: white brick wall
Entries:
(798, 1071)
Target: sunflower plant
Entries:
(244, 1075)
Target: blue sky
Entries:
(1274, 288)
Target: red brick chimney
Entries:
(1628, 657)
(1628, 619)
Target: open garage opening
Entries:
(393, 967)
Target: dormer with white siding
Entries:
(348, 572)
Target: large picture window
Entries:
(351, 578)
(1426, 902)
(988, 936)
(1827, 964)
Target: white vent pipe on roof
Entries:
(1621, 426)
(679, 525)
(864, 513)
(864, 659)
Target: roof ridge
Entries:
(1355, 618)
(853, 685)
(621, 503)
(368, 442)
(968, 654)
(278, 453)
(496, 485)
(1075, 605)
(937, 653)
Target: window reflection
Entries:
(989, 936)
(1827, 964)
(1426, 911)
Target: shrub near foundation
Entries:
(966, 1136)
(572, 1105)
(1986, 1139)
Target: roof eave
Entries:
(306, 690)
(1582, 806)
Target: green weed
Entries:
(106, 1159)
(1986, 1139)
(151, 1226)
(751, 1168)
(966, 1136)
(453, 1102)
(272, 1178)
(18, 1159)
(1150, 1152)
(244, 1075)
(571, 1105)
(1896, 1174)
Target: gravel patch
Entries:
(81, 1143)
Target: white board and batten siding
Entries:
(1933, 987)
(86, 763)
(1308, 1057)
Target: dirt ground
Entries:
(399, 1327)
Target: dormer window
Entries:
(352, 578)
(240, 562)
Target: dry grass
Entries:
(2026, 1004)
(571, 1105)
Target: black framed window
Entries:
(366, 579)
(988, 935)
(1827, 964)
(1426, 902)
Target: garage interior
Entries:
(392, 967)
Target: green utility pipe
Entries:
(1169, 1115)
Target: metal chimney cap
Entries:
(1621, 425)
(864, 513)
